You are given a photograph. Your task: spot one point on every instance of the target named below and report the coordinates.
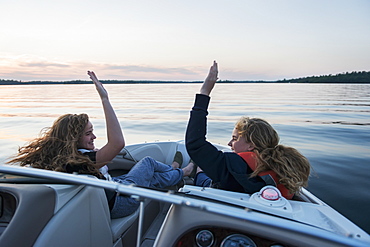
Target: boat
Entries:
(47, 208)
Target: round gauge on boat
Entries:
(204, 238)
(237, 240)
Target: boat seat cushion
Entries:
(120, 225)
(84, 221)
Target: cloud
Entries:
(151, 69)
(43, 64)
(30, 68)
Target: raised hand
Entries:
(115, 137)
(211, 79)
(99, 86)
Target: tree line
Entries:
(352, 77)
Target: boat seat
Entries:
(120, 225)
(84, 220)
(125, 160)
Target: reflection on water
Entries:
(327, 123)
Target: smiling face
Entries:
(238, 143)
(86, 140)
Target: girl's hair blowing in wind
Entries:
(292, 168)
(56, 148)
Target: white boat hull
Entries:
(76, 206)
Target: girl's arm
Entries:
(210, 81)
(115, 137)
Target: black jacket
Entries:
(226, 169)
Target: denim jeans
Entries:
(148, 173)
(202, 180)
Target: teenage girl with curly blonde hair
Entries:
(68, 146)
(257, 159)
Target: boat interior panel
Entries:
(36, 203)
(57, 209)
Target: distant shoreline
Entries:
(67, 83)
(163, 82)
(361, 77)
(10, 83)
(109, 82)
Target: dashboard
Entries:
(223, 237)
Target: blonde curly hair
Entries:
(292, 168)
(56, 148)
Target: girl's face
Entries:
(86, 141)
(238, 144)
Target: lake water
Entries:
(329, 124)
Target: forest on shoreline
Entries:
(348, 77)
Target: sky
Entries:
(175, 40)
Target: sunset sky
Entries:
(178, 40)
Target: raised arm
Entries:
(202, 152)
(210, 81)
(115, 137)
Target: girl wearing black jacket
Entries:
(252, 137)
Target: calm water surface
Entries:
(330, 124)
